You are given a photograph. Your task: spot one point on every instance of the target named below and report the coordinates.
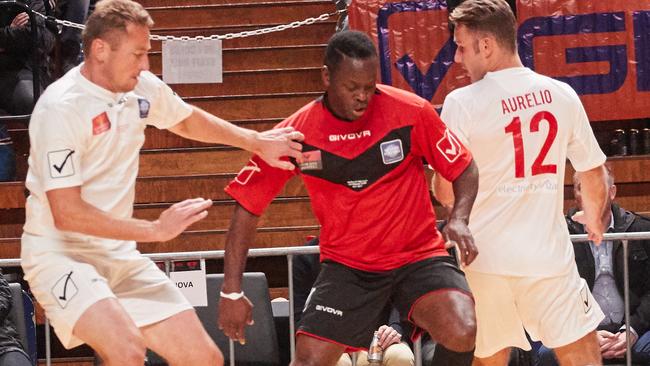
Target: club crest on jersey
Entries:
(392, 151)
(311, 160)
(246, 173)
(449, 146)
(143, 105)
(101, 124)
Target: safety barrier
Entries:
(290, 252)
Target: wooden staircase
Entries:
(266, 78)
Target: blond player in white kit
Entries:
(79, 244)
(521, 127)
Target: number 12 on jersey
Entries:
(538, 166)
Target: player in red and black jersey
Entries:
(362, 165)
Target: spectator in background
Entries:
(16, 51)
(16, 79)
(602, 268)
(11, 351)
(396, 351)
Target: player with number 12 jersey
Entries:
(521, 126)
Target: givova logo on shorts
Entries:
(328, 309)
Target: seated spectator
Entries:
(396, 351)
(11, 351)
(602, 268)
(16, 51)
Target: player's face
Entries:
(468, 53)
(128, 57)
(351, 87)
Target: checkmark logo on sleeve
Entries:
(60, 167)
(61, 163)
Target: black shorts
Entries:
(347, 305)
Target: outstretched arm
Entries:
(463, 193)
(235, 314)
(594, 202)
(270, 145)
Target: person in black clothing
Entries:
(16, 78)
(11, 351)
(16, 50)
(602, 268)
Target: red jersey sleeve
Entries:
(438, 145)
(257, 184)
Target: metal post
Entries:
(231, 351)
(48, 349)
(292, 316)
(626, 294)
(354, 356)
(168, 267)
(417, 350)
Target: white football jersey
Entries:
(521, 127)
(84, 135)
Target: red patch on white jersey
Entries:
(449, 146)
(101, 124)
(247, 172)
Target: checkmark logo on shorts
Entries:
(61, 163)
(65, 289)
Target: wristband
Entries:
(232, 295)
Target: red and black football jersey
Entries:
(366, 179)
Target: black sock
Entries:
(445, 357)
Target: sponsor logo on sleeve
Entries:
(144, 106)
(449, 146)
(392, 151)
(61, 164)
(246, 173)
(311, 160)
(101, 124)
(65, 290)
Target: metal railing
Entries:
(290, 252)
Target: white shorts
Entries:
(68, 277)
(555, 310)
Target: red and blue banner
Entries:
(601, 48)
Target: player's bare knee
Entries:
(212, 355)
(461, 336)
(132, 354)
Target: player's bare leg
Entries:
(584, 351)
(448, 316)
(500, 358)
(193, 347)
(314, 352)
(125, 348)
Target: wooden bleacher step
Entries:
(259, 58)
(239, 14)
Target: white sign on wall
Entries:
(191, 282)
(192, 62)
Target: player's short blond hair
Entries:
(493, 17)
(111, 16)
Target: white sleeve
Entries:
(57, 146)
(583, 150)
(456, 118)
(165, 108)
